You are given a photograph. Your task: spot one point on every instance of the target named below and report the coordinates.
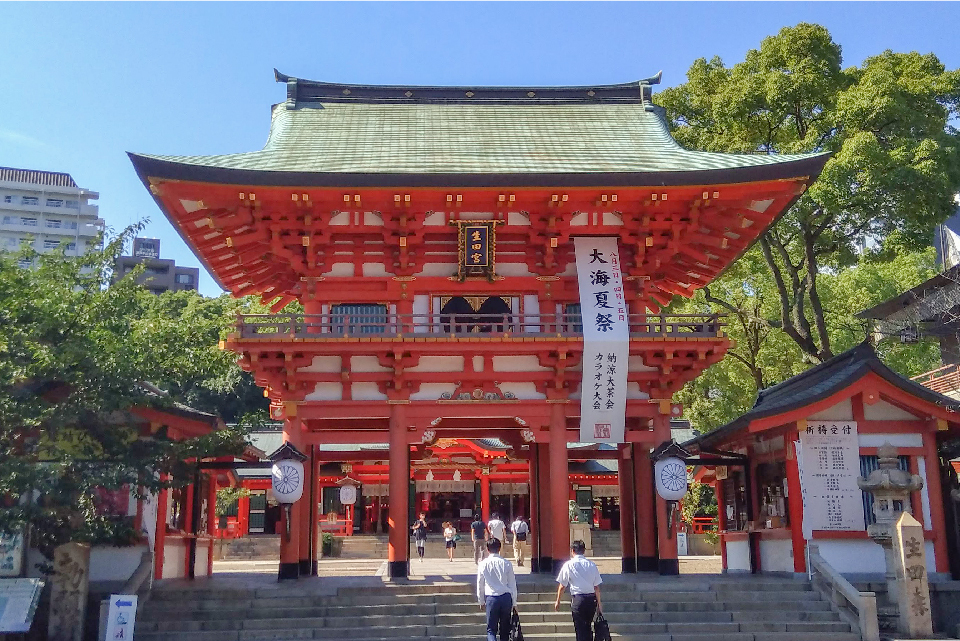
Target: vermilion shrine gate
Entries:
(353, 209)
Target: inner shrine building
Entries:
(428, 235)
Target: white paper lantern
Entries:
(671, 478)
(348, 494)
(288, 481)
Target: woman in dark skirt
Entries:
(420, 534)
(450, 537)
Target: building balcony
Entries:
(460, 327)
(943, 380)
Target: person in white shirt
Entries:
(497, 528)
(497, 591)
(582, 576)
(520, 530)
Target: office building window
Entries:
(185, 279)
(156, 271)
(8, 199)
(54, 224)
(54, 202)
(28, 222)
(51, 244)
(70, 224)
(73, 204)
(25, 263)
(12, 242)
(71, 247)
(30, 200)
(10, 220)
(26, 241)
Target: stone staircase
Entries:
(248, 548)
(647, 609)
(606, 543)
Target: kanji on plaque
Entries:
(476, 245)
(603, 397)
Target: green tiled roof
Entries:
(326, 129)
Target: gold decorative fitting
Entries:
(346, 92)
(305, 197)
(469, 94)
(716, 194)
(591, 93)
(346, 198)
(243, 196)
(553, 242)
(663, 196)
(294, 197)
(408, 94)
(706, 195)
(531, 94)
(252, 196)
(305, 241)
(403, 241)
(653, 197)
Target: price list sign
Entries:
(829, 461)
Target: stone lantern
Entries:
(889, 485)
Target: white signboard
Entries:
(606, 336)
(11, 555)
(18, 603)
(121, 617)
(682, 549)
(829, 462)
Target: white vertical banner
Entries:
(606, 336)
(829, 462)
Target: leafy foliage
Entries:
(75, 353)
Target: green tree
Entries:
(75, 351)
(894, 170)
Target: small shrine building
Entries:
(412, 334)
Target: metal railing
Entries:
(943, 380)
(338, 325)
(859, 609)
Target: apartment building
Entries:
(47, 210)
(159, 274)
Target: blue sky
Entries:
(83, 83)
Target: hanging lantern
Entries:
(288, 479)
(671, 477)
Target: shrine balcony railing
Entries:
(267, 326)
(943, 380)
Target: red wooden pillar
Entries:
(934, 494)
(485, 496)
(795, 503)
(290, 536)
(645, 512)
(628, 533)
(559, 486)
(159, 539)
(546, 507)
(397, 549)
(306, 563)
(534, 486)
(666, 540)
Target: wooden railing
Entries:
(943, 380)
(462, 325)
(859, 609)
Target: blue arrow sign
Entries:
(121, 604)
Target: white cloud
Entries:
(16, 138)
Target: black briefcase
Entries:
(601, 630)
(516, 634)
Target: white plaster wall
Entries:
(842, 411)
(326, 392)
(898, 440)
(518, 364)
(439, 269)
(738, 556)
(476, 215)
(571, 269)
(611, 219)
(925, 493)
(340, 269)
(421, 313)
(436, 218)
(635, 364)
(884, 411)
(776, 555)
(326, 364)
(203, 553)
(367, 364)
(438, 364)
(575, 394)
(368, 391)
(531, 311)
(174, 559)
(524, 391)
(113, 563)
(372, 218)
(341, 218)
(516, 218)
(432, 391)
(861, 556)
(478, 363)
(580, 220)
(633, 391)
(374, 269)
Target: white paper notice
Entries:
(606, 336)
(829, 461)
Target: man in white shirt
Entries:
(582, 576)
(520, 530)
(497, 528)
(497, 590)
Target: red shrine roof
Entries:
(329, 134)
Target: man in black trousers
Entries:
(582, 576)
(496, 591)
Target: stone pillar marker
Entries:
(68, 597)
(914, 591)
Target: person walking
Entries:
(582, 576)
(497, 591)
(478, 534)
(497, 528)
(420, 534)
(520, 530)
(450, 538)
